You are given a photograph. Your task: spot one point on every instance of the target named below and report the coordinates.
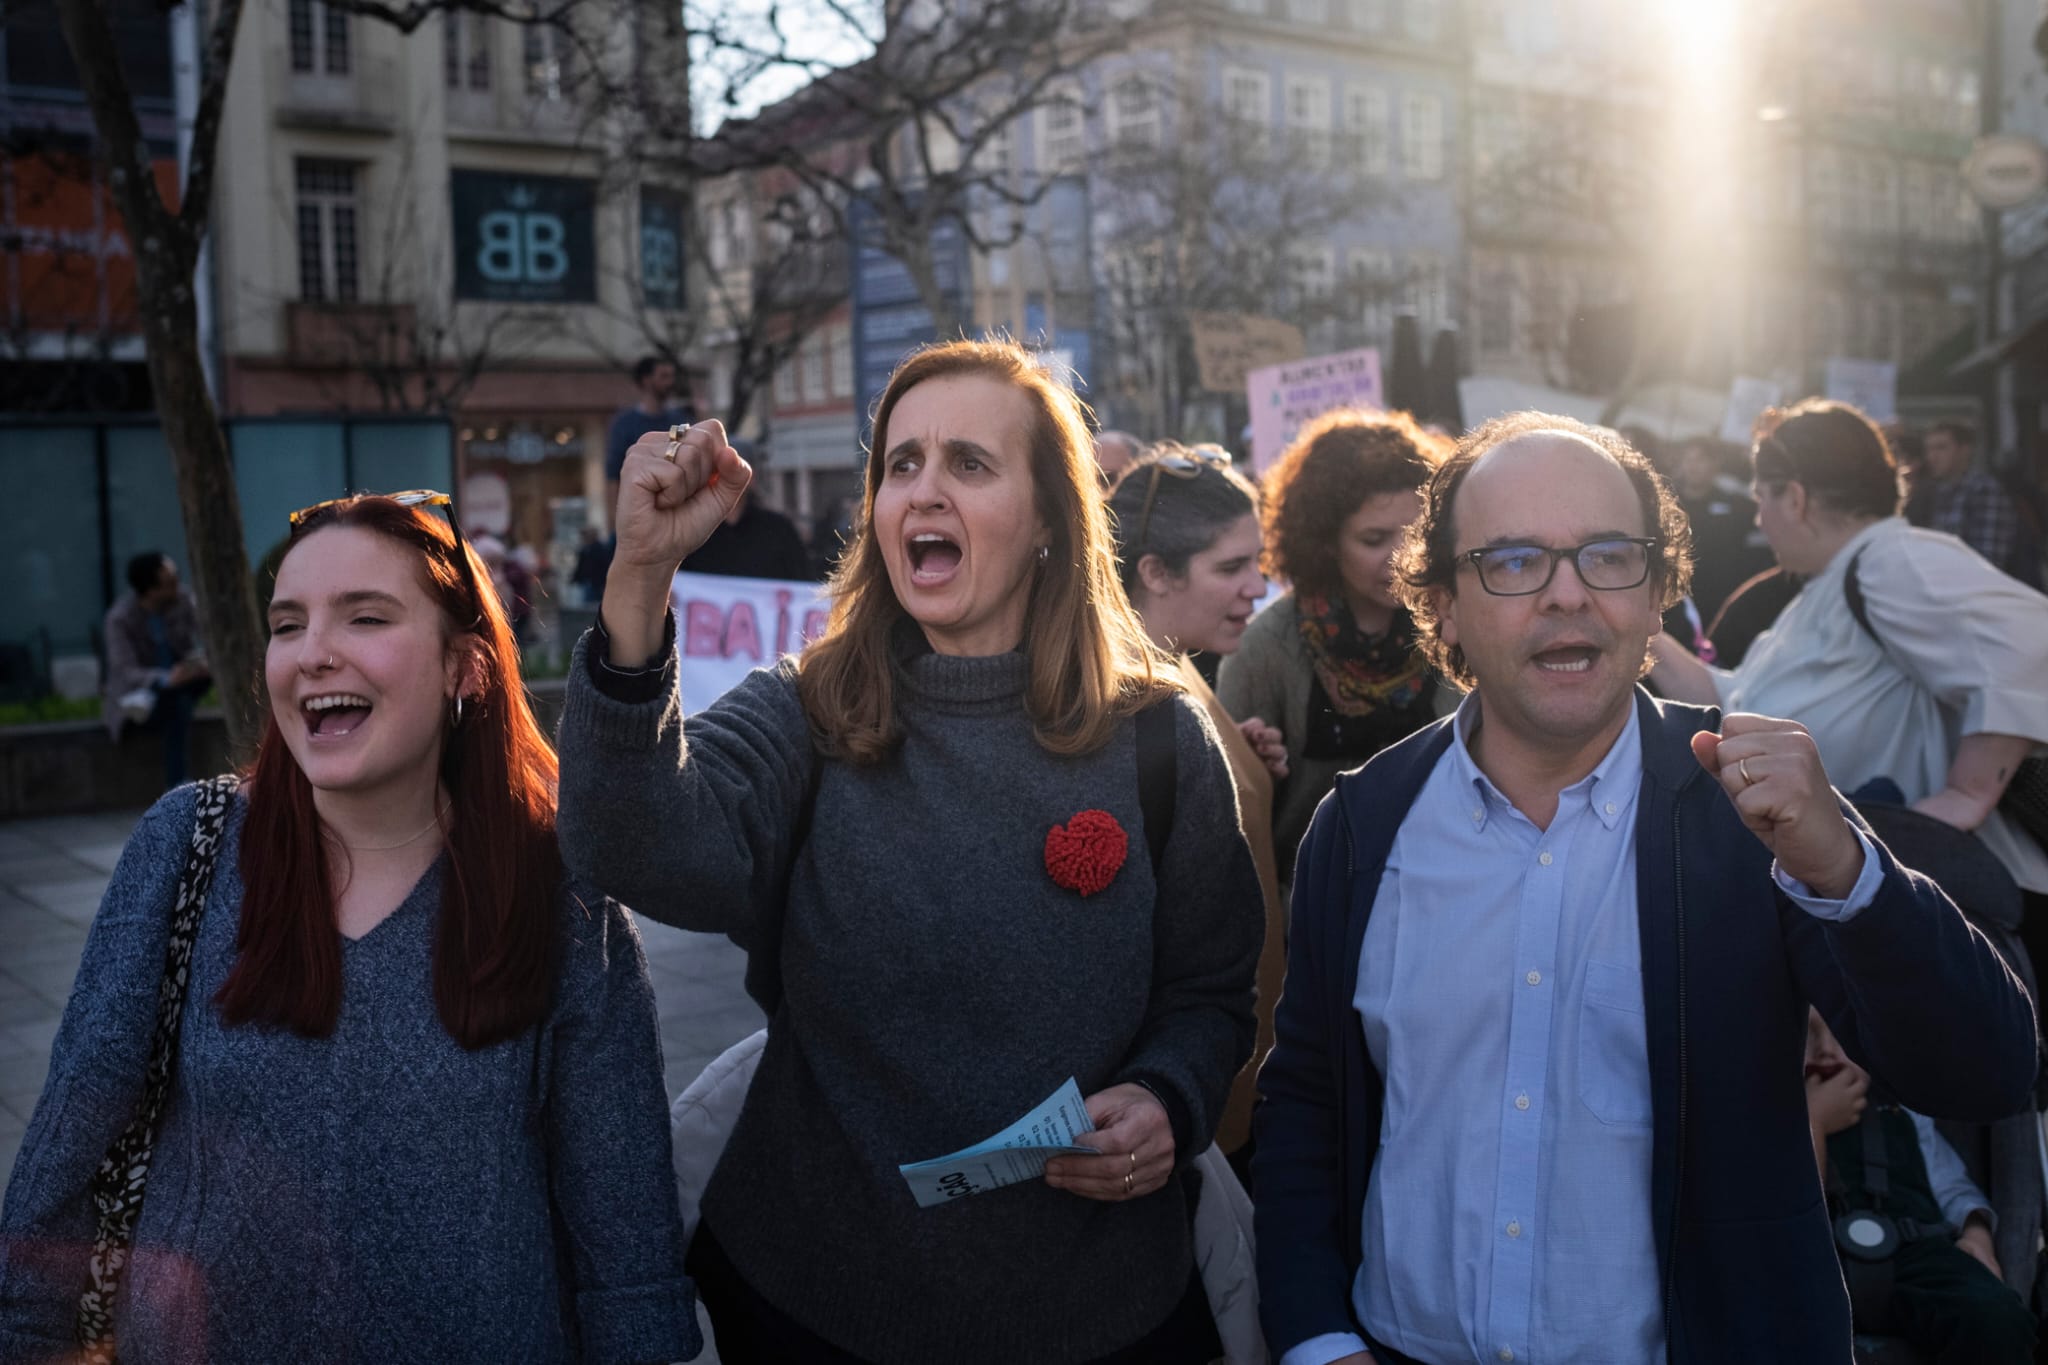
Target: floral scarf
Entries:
(1361, 673)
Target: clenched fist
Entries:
(667, 508)
(1773, 773)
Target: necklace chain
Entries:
(386, 848)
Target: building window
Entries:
(1134, 114)
(1313, 272)
(1247, 97)
(1369, 274)
(1368, 122)
(785, 384)
(1425, 293)
(839, 339)
(1422, 20)
(1369, 16)
(1422, 137)
(319, 38)
(549, 56)
(1308, 118)
(1062, 134)
(327, 231)
(466, 50)
(811, 356)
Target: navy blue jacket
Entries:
(1744, 1243)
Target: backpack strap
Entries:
(1852, 591)
(1157, 777)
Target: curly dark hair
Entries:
(1427, 558)
(1325, 475)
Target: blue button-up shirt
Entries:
(1500, 987)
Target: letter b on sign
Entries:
(521, 248)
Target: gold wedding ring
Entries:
(1742, 766)
(675, 441)
(1127, 1186)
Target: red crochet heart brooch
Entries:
(1085, 853)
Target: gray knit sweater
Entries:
(377, 1195)
(937, 984)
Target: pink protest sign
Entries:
(1283, 397)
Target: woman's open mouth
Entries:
(332, 715)
(934, 559)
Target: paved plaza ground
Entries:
(52, 873)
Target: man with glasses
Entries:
(1536, 1091)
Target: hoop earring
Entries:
(455, 712)
(1044, 553)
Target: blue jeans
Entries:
(173, 716)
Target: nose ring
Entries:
(330, 661)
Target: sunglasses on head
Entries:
(1187, 464)
(307, 518)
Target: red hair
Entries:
(494, 941)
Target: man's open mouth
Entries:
(1567, 659)
(334, 714)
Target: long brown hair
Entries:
(1091, 661)
(494, 941)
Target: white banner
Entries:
(1747, 399)
(1871, 385)
(727, 627)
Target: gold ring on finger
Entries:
(1742, 767)
(1127, 1185)
(675, 442)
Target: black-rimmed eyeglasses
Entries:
(1612, 565)
(307, 518)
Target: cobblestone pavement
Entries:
(53, 871)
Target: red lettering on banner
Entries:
(782, 596)
(814, 624)
(703, 629)
(743, 632)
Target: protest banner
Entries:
(1747, 399)
(727, 627)
(1871, 385)
(1228, 346)
(1283, 397)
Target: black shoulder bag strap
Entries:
(117, 1184)
(1157, 777)
(1852, 590)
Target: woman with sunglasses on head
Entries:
(1187, 547)
(1330, 672)
(415, 1106)
(931, 834)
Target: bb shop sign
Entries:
(524, 238)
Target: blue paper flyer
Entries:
(1017, 1153)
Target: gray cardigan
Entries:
(937, 983)
(380, 1194)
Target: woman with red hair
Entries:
(411, 1108)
